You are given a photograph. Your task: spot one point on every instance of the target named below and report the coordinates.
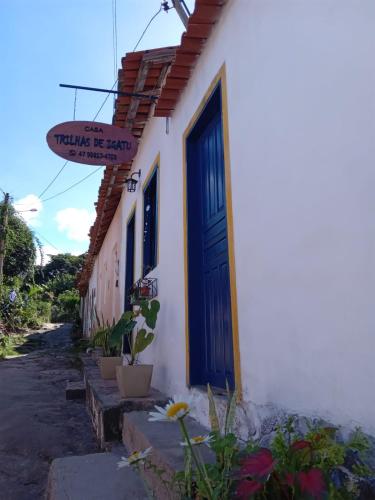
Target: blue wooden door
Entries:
(210, 326)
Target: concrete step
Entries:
(164, 438)
(75, 390)
(93, 477)
(106, 406)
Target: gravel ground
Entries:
(37, 424)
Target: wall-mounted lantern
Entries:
(132, 183)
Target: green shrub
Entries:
(29, 310)
(66, 307)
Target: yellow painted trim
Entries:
(155, 165)
(220, 77)
(186, 265)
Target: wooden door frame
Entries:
(220, 78)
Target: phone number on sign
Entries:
(89, 154)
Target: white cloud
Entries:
(24, 205)
(75, 222)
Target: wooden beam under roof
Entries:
(164, 56)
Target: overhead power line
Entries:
(105, 100)
(53, 180)
(67, 161)
(45, 239)
(114, 35)
(114, 13)
(147, 26)
(72, 186)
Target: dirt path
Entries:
(37, 424)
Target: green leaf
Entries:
(150, 312)
(97, 319)
(99, 338)
(214, 420)
(123, 327)
(142, 341)
(231, 411)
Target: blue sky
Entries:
(47, 42)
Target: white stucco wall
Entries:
(301, 105)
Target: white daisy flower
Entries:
(135, 458)
(176, 409)
(198, 440)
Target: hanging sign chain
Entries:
(75, 104)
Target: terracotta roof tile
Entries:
(200, 24)
(142, 72)
(164, 72)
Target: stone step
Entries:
(75, 390)
(106, 406)
(93, 477)
(167, 453)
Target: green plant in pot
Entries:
(134, 379)
(111, 351)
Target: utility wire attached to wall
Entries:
(114, 12)
(146, 28)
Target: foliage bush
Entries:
(61, 284)
(317, 465)
(66, 307)
(20, 248)
(30, 308)
(43, 292)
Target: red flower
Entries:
(312, 482)
(300, 445)
(289, 479)
(259, 464)
(247, 487)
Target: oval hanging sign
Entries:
(92, 143)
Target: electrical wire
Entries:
(103, 103)
(67, 161)
(114, 35)
(72, 186)
(45, 239)
(146, 28)
(75, 104)
(53, 180)
(114, 9)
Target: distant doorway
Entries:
(129, 270)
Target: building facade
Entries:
(253, 209)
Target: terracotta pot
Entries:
(134, 381)
(108, 365)
(145, 292)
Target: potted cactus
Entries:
(134, 379)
